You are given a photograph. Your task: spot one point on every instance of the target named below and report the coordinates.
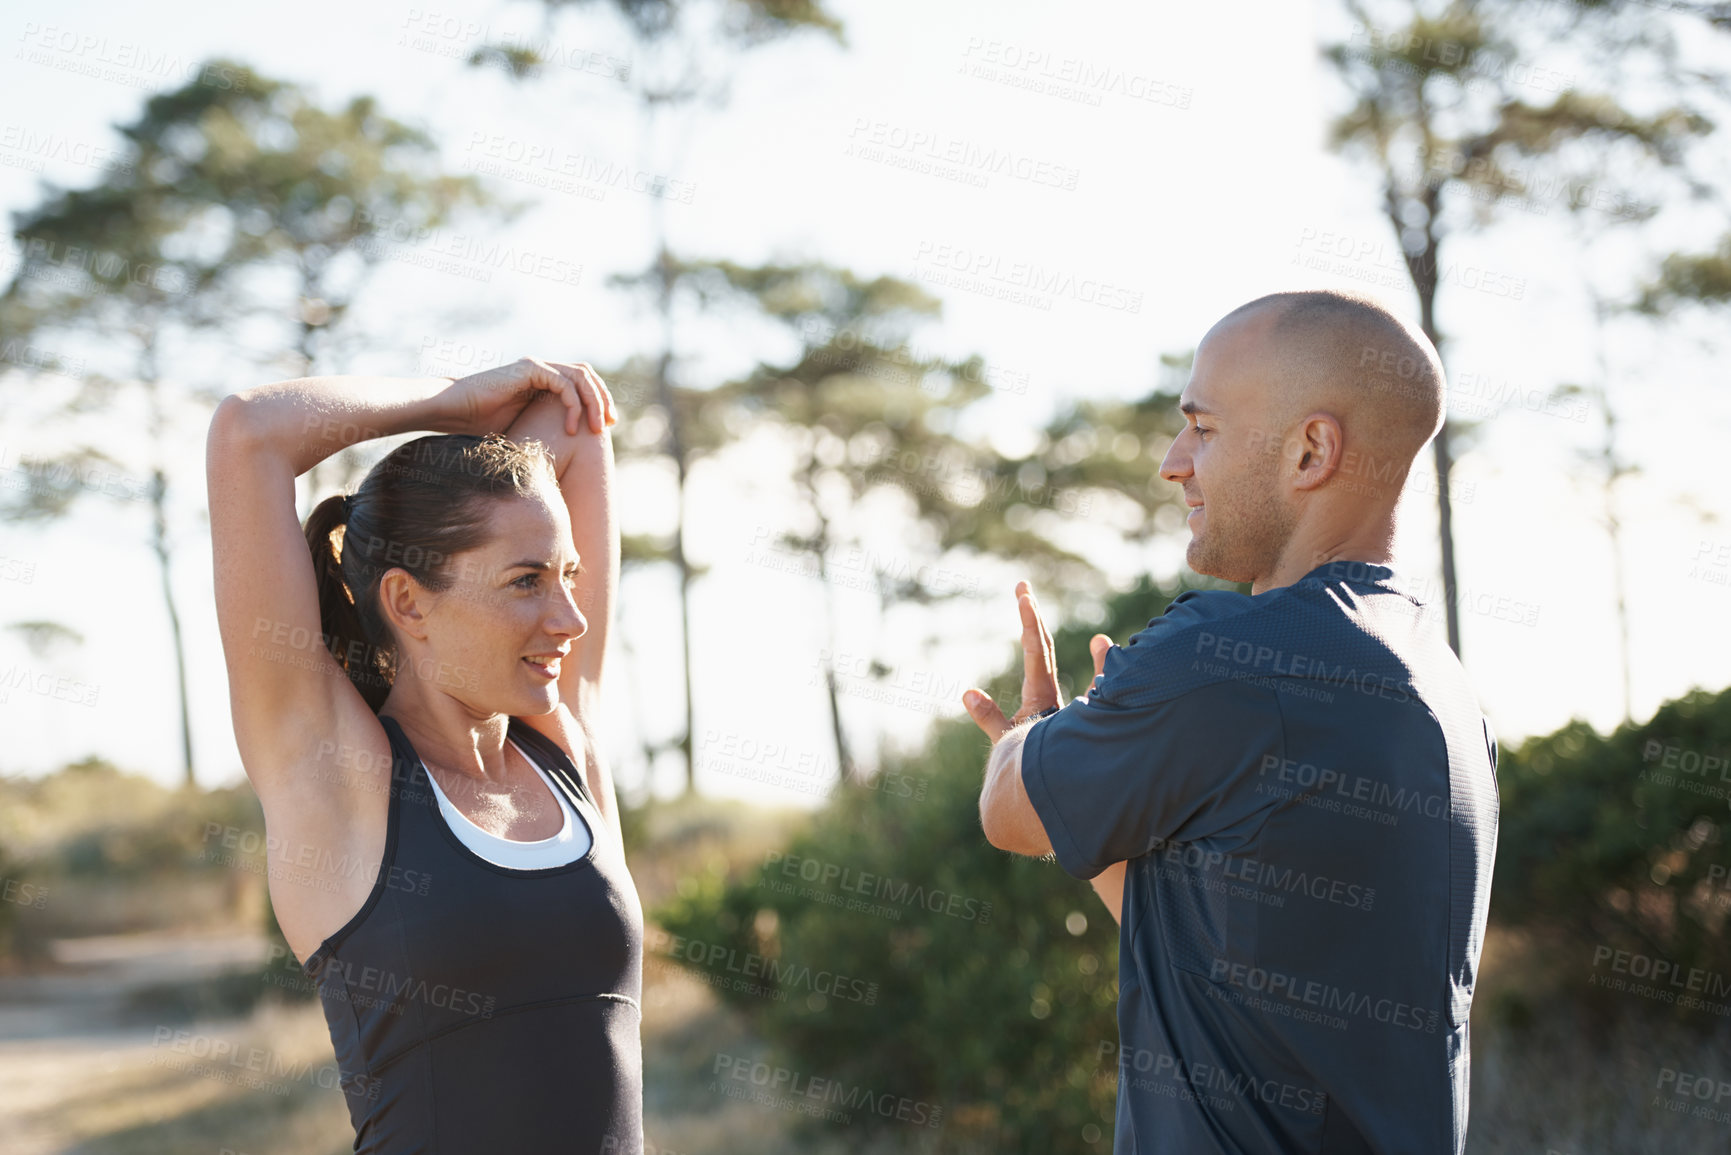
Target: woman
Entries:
(416, 703)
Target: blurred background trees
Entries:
(245, 222)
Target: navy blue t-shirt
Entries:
(1304, 788)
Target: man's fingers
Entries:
(1039, 670)
(1097, 646)
(985, 714)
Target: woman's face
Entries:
(496, 638)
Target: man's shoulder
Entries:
(1195, 611)
(1162, 660)
(1208, 637)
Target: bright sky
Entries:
(1212, 189)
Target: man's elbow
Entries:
(994, 830)
(1005, 833)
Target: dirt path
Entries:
(87, 1073)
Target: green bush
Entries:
(978, 983)
(988, 1010)
(1618, 841)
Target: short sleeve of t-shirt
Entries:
(1155, 752)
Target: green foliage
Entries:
(1619, 840)
(993, 978)
(987, 1006)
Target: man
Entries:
(1288, 798)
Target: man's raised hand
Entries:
(1039, 671)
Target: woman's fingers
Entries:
(562, 380)
(596, 397)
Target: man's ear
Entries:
(1321, 450)
(402, 601)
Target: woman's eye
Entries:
(530, 578)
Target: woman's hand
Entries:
(489, 401)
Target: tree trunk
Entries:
(159, 544)
(677, 450)
(843, 754)
(147, 366)
(1423, 267)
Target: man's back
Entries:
(1304, 786)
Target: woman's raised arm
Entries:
(584, 464)
(287, 693)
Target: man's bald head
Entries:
(1347, 355)
(1306, 411)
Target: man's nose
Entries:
(1176, 465)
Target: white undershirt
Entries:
(571, 843)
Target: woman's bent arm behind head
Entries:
(289, 697)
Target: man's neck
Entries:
(1370, 546)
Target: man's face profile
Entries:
(1227, 458)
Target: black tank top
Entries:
(479, 1008)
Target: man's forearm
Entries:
(1006, 815)
(310, 418)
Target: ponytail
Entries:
(345, 633)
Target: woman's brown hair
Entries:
(428, 500)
